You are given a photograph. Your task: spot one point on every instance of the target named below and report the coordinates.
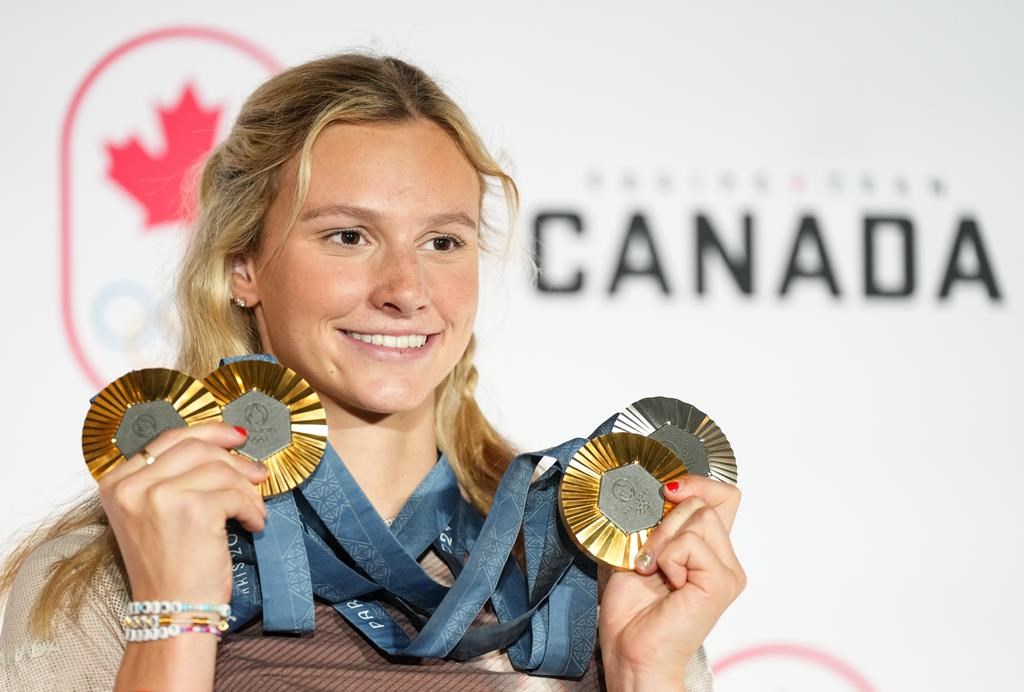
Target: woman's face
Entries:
(372, 295)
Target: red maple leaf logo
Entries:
(155, 181)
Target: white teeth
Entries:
(389, 341)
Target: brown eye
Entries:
(443, 243)
(346, 237)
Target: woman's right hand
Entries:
(170, 516)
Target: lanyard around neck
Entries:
(325, 539)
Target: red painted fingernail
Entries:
(241, 431)
(672, 486)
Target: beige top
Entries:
(86, 655)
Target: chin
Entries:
(389, 399)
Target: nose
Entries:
(401, 287)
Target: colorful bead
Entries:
(157, 620)
(166, 607)
(160, 633)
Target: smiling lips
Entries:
(390, 340)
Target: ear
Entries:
(243, 280)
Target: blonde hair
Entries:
(240, 179)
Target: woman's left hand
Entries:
(654, 619)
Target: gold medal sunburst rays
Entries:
(284, 417)
(610, 495)
(137, 407)
(685, 429)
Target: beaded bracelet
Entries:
(136, 622)
(157, 633)
(156, 620)
(164, 607)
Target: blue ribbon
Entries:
(324, 538)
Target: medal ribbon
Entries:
(326, 538)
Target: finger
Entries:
(724, 497)
(191, 453)
(665, 531)
(689, 559)
(238, 505)
(227, 503)
(212, 476)
(208, 479)
(220, 434)
(707, 524)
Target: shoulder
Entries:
(33, 574)
(86, 647)
(52, 551)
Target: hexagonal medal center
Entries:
(686, 446)
(266, 419)
(631, 498)
(142, 422)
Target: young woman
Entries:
(339, 230)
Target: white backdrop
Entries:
(880, 526)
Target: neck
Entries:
(387, 455)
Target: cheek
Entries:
(301, 293)
(458, 295)
(302, 279)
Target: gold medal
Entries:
(286, 423)
(610, 497)
(134, 409)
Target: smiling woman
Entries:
(339, 232)
(397, 259)
(384, 256)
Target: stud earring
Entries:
(240, 302)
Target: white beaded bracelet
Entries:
(151, 633)
(167, 607)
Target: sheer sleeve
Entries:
(698, 673)
(84, 654)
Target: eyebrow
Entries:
(442, 219)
